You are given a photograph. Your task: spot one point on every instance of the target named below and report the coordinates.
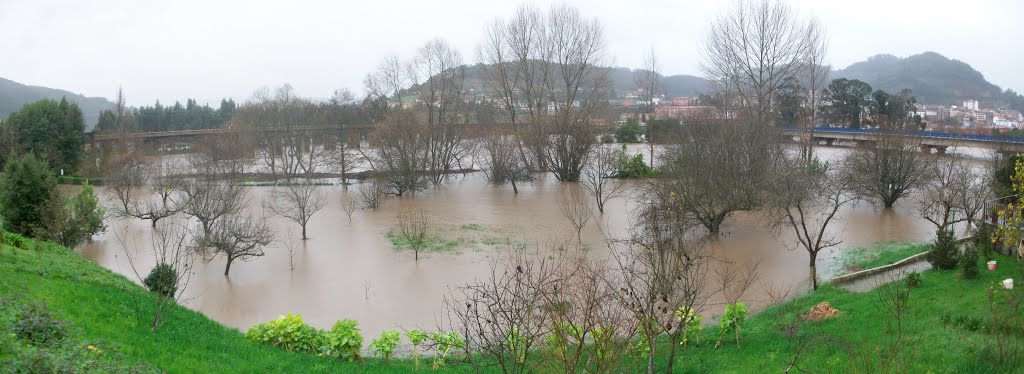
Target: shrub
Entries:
(943, 254)
(913, 279)
(162, 280)
(343, 340)
(288, 332)
(416, 336)
(692, 327)
(385, 345)
(732, 320)
(629, 132)
(81, 219)
(633, 166)
(37, 326)
(444, 342)
(969, 266)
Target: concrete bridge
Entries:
(929, 140)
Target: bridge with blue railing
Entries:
(929, 140)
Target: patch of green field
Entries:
(880, 254)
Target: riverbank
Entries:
(105, 311)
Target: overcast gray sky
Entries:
(170, 50)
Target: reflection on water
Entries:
(351, 270)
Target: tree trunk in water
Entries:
(227, 267)
(515, 190)
(304, 232)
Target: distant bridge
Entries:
(929, 140)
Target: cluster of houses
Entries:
(971, 114)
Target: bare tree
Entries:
(438, 75)
(413, 226)
(815, 77)
(807, 199)
(388, 81)
(505, 163)
(370, 194)
(576, 210)
(498, 314)
(719, 167)
(349, 204)
(298, 201)
(400, 160)
(650, 84)
(551, 68)
(236, 237)
(891, 169)
(752, 50)
(952, 193)
(172, 251)
(662, 271)
(129, 178)
(292, 246)
(599, 176)
(210, 194)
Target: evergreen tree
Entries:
(944, 253)
(28, 190)
(51, 130)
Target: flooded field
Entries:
(353, 270)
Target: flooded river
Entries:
(352, 270)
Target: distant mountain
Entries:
(14, 95)
(934, 78)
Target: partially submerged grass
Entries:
(881, 254)
(441, 238)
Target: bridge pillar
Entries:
(330, 143)
(830, 141)
(940, 150)
(926, 148)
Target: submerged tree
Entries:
(236, 237)
(890, 169)
(298, 201)
(807, 198)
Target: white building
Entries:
(971, 105)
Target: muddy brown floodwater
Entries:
(352, 270)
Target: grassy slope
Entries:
(102, 306)
(938, 348)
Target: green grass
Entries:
(103, 309)
(861, 258)
(936, 346)
(441, 238)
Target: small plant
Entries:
(162, 280)
(416, 336)
(913, 279)
(288, 332)
(444, 342)
(969, 267)
(517, 344)
(983, 241)
(944, 253)
(344, 340)
(691, 323)
(37, 326)
(732, 320)
(385, 345)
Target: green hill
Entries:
(934, 78)
(14, 95)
